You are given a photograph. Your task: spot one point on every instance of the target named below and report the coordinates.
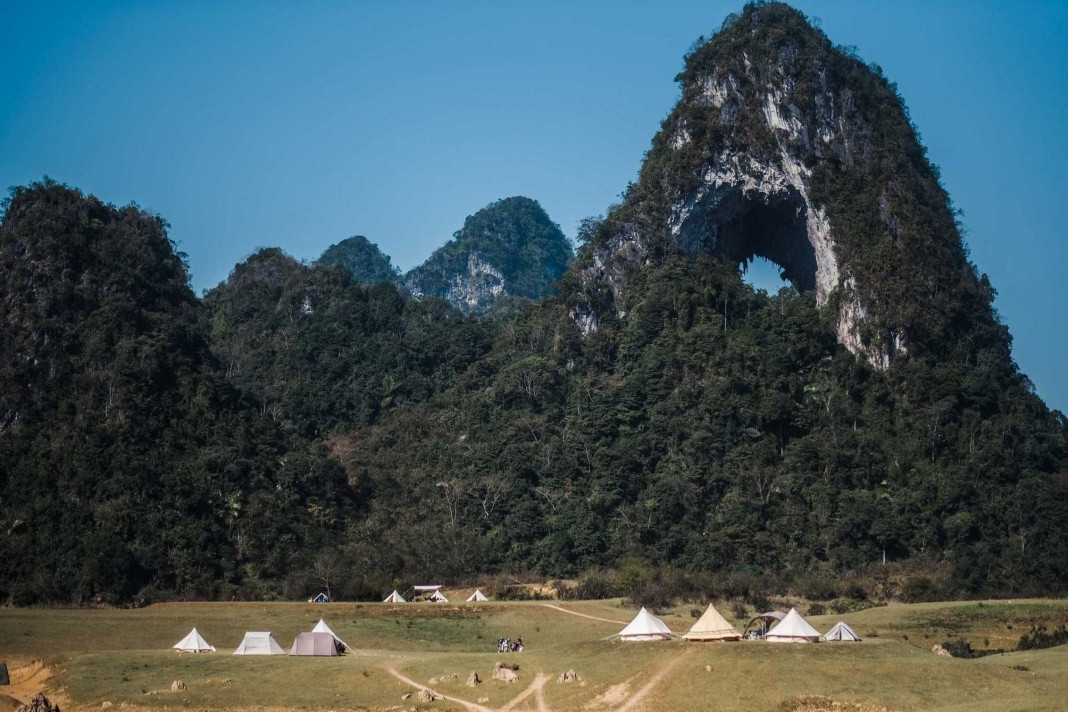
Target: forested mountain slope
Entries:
(363, 260)
(319, 352)
(508, 248)
(128, 467)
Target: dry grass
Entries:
(123, 657)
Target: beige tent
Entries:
(259, 643)
(438, 597)
(712, 626)
(645, 626)
(842, 631)
(322, 627)
(477, 596)
(317, 644)
(394, 597)
(793, 629)
(194, 643)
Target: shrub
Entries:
(919, 589)
(1038, 638)
(817, 609)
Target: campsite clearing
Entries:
(124, 656)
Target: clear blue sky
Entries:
(298, 124)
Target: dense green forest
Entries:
(315, 425)
(362, 259)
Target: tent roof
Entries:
(426, 588)
(842, 631)
(477, 596)
(194, 643)
(259, 643)
(793, 628)
(394, 597)
(645, 625)
(712, 626)
(322, 627)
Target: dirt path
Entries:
(534, 688)
(576, 613)
(660, 675)
(474, 707)
(539, 694)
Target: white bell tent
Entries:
(194, 643)
(645, 626)
(793, 629)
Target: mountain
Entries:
(362, 259)
(652, 415)
(128, 467)
(785, 147)
(508, 248)
(660, 410)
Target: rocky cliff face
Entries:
(509, 248)
(785, 147)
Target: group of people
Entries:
(506, 645)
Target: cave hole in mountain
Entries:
(749, 227)
(773, 228)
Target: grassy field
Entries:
(87, 658)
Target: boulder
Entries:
(443, 678)
(178, 686)
(939, 650)
(39, 703)
(473, 680)
(568, 676)
(504, 673)
(428, 696)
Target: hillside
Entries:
(508, 248)
(128, 468)
(362, 259)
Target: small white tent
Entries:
(712, 626)
(477, 596)
(259, 643)
(645, 626)
(842, 631)
(793, 629)
(438, 597)
(194, 643)
(322, 627)
(394, 597)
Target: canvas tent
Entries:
(793, 629)
(477, 596)
(438, 597)
(317, 644)
(394, 597)
(322, 627)
(842, 631)
(712, 626)
(645, 626)
(259, 643)
(321, 598)
(194, 643)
